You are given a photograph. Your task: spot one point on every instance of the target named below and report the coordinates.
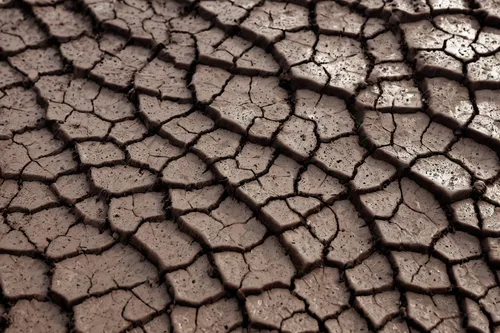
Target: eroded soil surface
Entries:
(249, 166)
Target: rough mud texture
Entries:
(195, 166)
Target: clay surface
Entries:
(249, 166)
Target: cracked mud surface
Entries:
(249, 166)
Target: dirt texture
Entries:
(247, 166)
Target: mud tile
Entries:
(269, 266)
(454, 114)
(491, 304)
(121, 179)
(224, 53)
(39, 143)
(34, 63)
(372, 174)
(71, 188)
(162, 79)
(489, 216)
(15, 158)
(10, 76)
(157, 324)
(382, 203)
(473, 278)
(340, 56)
(323, 291)
(423, 35)
(106, 313)
(374, 274)
(209, 82)
(18, 111)
(348, 320)
(80, 238)
(252, 158)
(420, 207)
(8, 190)
(23, 277)
(14, 241)
(437, 63)
(183, 319)
(126, 213)
(153, 152)
(297, 136)
(194, 285)
(225, 232)
(272, 307)
(487, 41)
(232, 268)
(484, 72)
(315, 181)
(51, 167)
(310, 75)
(477, 320)
(299, 323)
(399, 96)
(33, 315)
(458, 24)
(303, 205)
(334, 18)
(33, 196)
(468, 151)
(246, 98)
(175, 174)
(19, 31)
(188, 200)
(430, 311)
(396, 325)
(385, 47)
(118, 71)
(279, 216)
(452, 181)
(329, 113)
(323, 224)
(179, 251)
(353, 240)
(83, 53)
(465, 214)
(127, 131)
(257, 61)
(389, 71)
(458, 246)
(373, 26)
(217, 144)
(262, 130)
(222, 316)
(226, 13)
(184, 130)
(43, 227)
(88, 274)
(83, 126)
(484, 124)
(295, 48)
(97, 153)
(62, 22)
(448, 5)
(379, 308)
(277, 182)
(180, 51)
(492, 247)
(267, 23)
(305, 250)
(340, 156)
(93, 211)
(421, 272)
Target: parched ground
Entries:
(249, 166)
